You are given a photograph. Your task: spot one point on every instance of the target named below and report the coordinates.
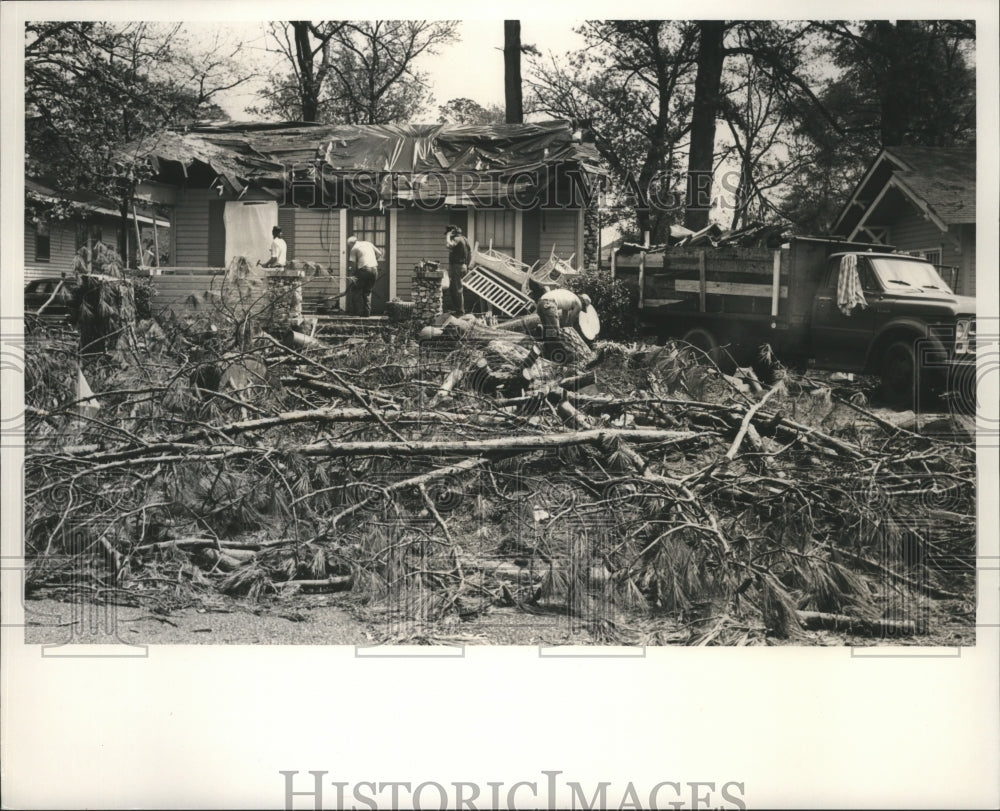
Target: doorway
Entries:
(373, 227)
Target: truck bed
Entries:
(732, 281)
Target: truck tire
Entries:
(898, 373)
(703, 340)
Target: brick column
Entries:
(426, 294)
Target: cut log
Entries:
(332, 583)
(818, 621)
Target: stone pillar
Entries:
(426, 294)
(591, 238)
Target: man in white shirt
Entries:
(279, 250)
(365, 257)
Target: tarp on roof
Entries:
(261, 153)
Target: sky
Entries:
(470, 68)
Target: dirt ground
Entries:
(334, 620)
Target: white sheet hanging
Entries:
(849, 292)
(248, 230)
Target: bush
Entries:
(143, 289)
(616, 303)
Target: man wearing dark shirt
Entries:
(459, 257)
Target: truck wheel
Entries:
(701, 339)
(898, 372)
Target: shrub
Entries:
(616, 303)
(143, 289)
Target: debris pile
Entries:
(634, 488)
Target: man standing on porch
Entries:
(279, 250)
(459, 257)
(365, 257)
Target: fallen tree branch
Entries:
(819, 621)
(745, 424)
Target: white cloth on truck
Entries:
(248, 229)
(849, 292)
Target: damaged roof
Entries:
(261, 154)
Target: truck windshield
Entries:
(900, 273)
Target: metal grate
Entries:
(495, 291)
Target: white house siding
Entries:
(419, 235)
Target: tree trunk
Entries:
(512, 71)
(309, 93)
(893, 44)
(701, 158)
(122, 242)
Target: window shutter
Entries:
(216, 234)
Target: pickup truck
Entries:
(906, 326)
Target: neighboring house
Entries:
(515, 186)
(921, 200)
(51, 244)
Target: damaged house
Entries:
(522, 189)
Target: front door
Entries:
(373, 227)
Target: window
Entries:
(43, 242)
(932, 255)
(373, 228)
(496, 226)
(87, 235)
(866, 275)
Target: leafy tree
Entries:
(631, 83)
(906, 82)
(91, 88)
(308, 49)
(467, 111)
(352, 72)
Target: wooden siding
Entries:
(169, 290)
(967, 279)
(531, 237)
(911, 232)
(62, 249)
(62, 245)
(559, 228)
(191, 223)
(313, 235)
(419, 235)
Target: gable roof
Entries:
(942, 179)
(261, 154)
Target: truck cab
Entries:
(904, 322)
(910, 330)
